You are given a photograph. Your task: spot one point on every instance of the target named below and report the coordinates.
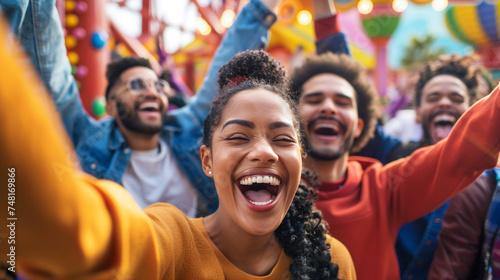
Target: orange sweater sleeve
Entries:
(72, 226)
(86, 237)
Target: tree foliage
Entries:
(420, 51)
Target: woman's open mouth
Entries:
(260, 190)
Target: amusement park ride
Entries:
(92, 36)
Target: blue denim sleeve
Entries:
(248, 32)
(38, 27)
(335, 43)
(14, 12)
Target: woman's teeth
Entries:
(259, 180)
(261, 203)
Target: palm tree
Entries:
(419, 52)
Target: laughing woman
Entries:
(73, 226)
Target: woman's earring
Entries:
(209, 172)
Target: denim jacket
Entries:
(417, 241)
(422, 236)
(100, 145)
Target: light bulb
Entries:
(439, 5)
(203, 27)
(399, 5)
(227, 18)
(304, 17)
(365, 7)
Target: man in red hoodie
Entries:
(364, 202)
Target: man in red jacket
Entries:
(364, 202)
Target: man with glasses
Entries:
(156, 156)
(137, 101)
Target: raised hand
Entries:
(323, 8)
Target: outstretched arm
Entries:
(68, 223)
(60, 236)
(431, 175)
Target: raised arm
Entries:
(329, 36)
(249, 31)
(38, 27)
(426, 179)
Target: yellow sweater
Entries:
(72, 226)
(190, 247)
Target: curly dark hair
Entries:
(353, 72)
(116, 67)
(301, 232)
(464, 68)
(248, 70)
(302, 235)
(257, 65)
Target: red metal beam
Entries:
(147, 16)
(212, 19)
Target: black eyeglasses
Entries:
(139, 85)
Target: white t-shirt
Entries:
(404, 127)
(154, 176)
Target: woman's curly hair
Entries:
(256, 65)
(248, 70)
(301, 233)
(303, 237)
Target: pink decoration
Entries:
(79, 32)
(350, 21)
(81, 71)
(81, 7)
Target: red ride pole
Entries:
(87, 37)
